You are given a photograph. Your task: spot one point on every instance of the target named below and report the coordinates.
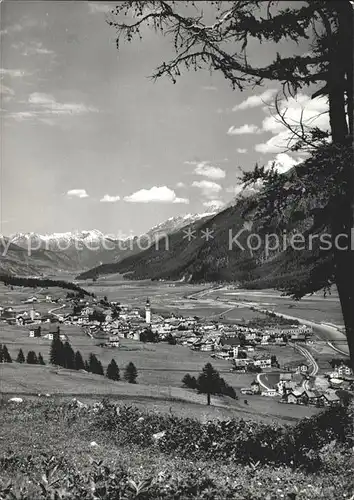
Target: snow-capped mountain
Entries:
(59, 241)
(174, 224)
(81, 250)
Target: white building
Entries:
(147, 312)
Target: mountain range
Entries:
(36, 254)
(209, 249)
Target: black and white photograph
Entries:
(176, 250)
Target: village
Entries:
(244, 349)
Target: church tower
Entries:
(147, 312)
(32, 313)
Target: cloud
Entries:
(180, 184)
(256, 100)
(6, 93)
(241, 150)
(109, 199)
(16, 28)
(32, 48)
(44, 107)
(12, 72)
(48, 105)
(77, 193)
(156, 194)
(99, 7)
(213, 205)
(312, 113)
(209, 189)
(210, 171)
(283, 162)
(244, 129)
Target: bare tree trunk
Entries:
(208, 398)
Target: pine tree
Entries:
(20, 357)
(130, 373)
(209, 381)
(6, 355)
(56, 352)
(87, 366)
(95, 366)
(100, 370)
(113, 371)
(40, 359)
(68, 356)
(1, 354)
(79, 362)
(32, 358)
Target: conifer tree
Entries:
(79, 362)
(113, 371)
(209, 381)
(87, 366)
(1, 354)
(100, 370)
(95, 366)
(68, 356)
(40, 359)
(31, 358)
(56, 352)
(6, 358)
(20, 357)
(130, 373)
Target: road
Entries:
(56, 309)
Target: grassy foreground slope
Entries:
(27, 381)
(51, 451)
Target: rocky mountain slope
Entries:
(19, 261)
(220, 248)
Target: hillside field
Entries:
(31, 380)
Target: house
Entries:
(247, 391)
(230, 341)
(35, 331)
(299, 337)
(20, 320)
(302, 368)
(308, 397)
(53, 331)
(8, 313)
(329, 399)
(256, 388)
(31, 300)
(207, 346)
(263, 362)
(113, 341)
(242, 362)
(343, 371)
(269, 393)
(291, 398)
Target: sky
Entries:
(88, 141)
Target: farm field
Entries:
(160, 364)
(314, 308)
(30, 380)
